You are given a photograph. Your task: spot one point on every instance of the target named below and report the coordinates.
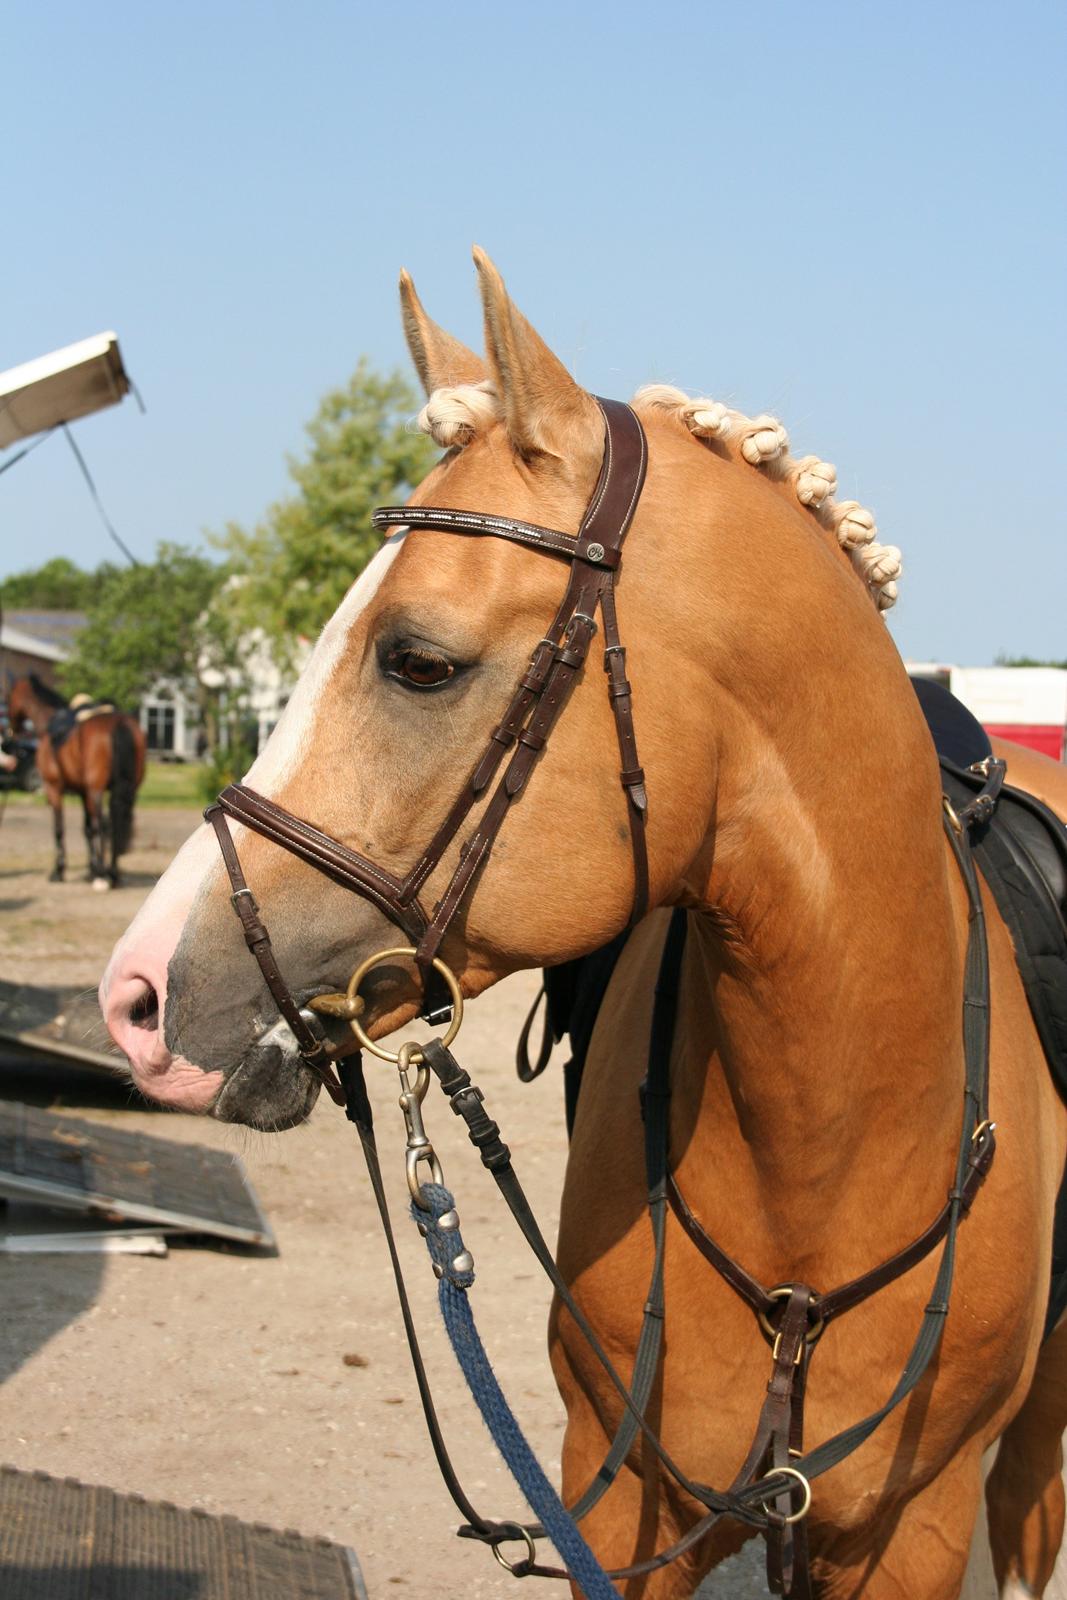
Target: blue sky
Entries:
(852, 215)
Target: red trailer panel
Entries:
(1048, 739)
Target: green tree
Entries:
(1027, 661)
(59, 585)
(296, 563)
(149, 622)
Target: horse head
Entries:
(727, 576)
(30, 703)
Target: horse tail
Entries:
(123, 786)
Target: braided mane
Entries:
(454, 416)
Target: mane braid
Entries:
(455, 415)
(763, 443)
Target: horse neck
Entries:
(820, 1058)
(37, 709)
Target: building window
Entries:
(160, 727)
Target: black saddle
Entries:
(63, 722)
(60, 726)
(1022, 855)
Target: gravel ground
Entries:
(278, 1388)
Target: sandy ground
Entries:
(278, 1388)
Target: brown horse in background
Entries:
(102, 755)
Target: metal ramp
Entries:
(65, 1540)
(138, 1178)
(56, 1023)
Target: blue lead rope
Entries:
(439, 1226)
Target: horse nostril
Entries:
(144, 1013)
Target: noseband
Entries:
(535, 707)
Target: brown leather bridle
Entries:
(535, 707)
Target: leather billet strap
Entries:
(539, 699)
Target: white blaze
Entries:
(289, 742)
(163, 914)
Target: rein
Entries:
(771, 1491)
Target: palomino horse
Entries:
(100, 755)
(794, 809)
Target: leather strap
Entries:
(328, 856)
(526, 1068)
(312, 1050)
(849, 1295)
(778, 1441)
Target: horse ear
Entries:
(439, 359)
(545, 410)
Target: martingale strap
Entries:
(793, 1316)
(536, 706)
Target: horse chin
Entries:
(270, 1090)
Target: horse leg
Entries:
(92, 802)
(635, 1520)
(1025, 1489)
(922, 1549)
(54, 793)
(638, 1516)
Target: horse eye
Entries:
(419, 669)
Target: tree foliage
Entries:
(148, 622)
(59, 585)
(203, 625)
(1028, 661)
(297, 563)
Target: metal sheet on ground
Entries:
(55, 1052)
(105, 1171)
(65, 1540)
(58, 1022)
